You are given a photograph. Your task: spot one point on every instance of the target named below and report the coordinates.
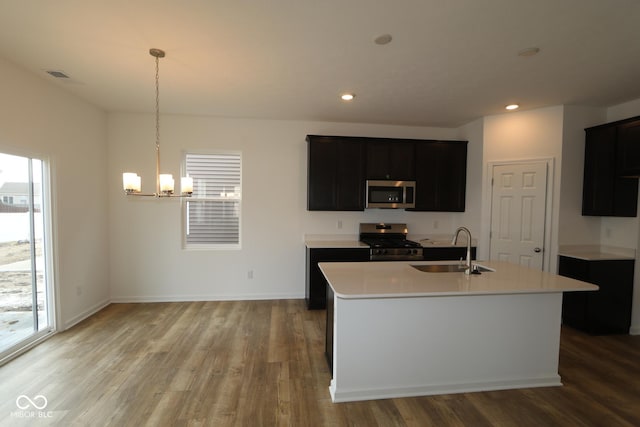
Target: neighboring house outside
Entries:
(14, 197)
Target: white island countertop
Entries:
(397, 279)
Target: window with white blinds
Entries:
(212, 214)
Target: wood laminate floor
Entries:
(261, 363)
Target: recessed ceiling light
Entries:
(383, 39)
(530, 51)
(347, 96)
(511, 107)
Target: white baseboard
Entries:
(87, 313)
(190, 298)
(634, 330)
(433, 389)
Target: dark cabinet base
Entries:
(606, 311)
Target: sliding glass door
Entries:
(25, 297)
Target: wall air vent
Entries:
(57, 74)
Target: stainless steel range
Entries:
(388, 242)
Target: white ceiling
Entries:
(450, 61)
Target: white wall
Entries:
(534, 134)
(575, 229)
(147, 262)
(39, 119)
(474, 133)
(623, 111)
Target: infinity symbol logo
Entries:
(20, 402)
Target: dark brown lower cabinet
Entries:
(606, 311)
(315, 294)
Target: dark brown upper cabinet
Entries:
(441, 176)
(629, 148)
(335, 175)
(339, 166)
(605, 191)
(391, 159)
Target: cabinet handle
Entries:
(536, 250)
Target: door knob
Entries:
(536, 250)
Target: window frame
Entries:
(187, 200)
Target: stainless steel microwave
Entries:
(390, 194)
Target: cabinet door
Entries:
(335, 174)
(574, 304)
(599, 171)
(629, 149)
(609, 309)
(350, 180)
(604, 192)
(321, 174)
(390, 160)
(441, 176)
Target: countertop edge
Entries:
(507, 275)
(456, 294)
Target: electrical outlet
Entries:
(435, 225)
(339, 224)
(78, 291)
(250, 274)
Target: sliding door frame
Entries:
(48, 210)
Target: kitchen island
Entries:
(396, 331)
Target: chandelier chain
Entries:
(157, 103)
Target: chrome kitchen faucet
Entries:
(455, 240)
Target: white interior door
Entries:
(518, 208)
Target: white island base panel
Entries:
(401, 347)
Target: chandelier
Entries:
(131, 182)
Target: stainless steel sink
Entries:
(450, 268)
(440, 268)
